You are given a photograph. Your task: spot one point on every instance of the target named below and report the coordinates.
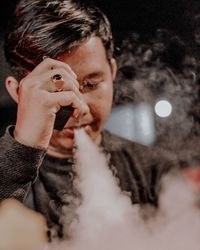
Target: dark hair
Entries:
(50, 28)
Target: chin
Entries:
(61, 141)
(65, 138)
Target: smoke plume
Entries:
(107, 220)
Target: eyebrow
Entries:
(95, 74)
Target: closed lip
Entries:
(69, 131)
(76, 127)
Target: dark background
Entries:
(143, 17)
(138, 15)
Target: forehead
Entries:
(90, 56)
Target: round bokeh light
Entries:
(163, 108)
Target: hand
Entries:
(38, 102)
(20, 227)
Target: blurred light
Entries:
(135, 123)
(163, 108)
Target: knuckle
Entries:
(49, 61)
(73, 95)
(28, 85)
(63, 72)
(68, 67)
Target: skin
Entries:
(88, 87)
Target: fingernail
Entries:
(76, 113)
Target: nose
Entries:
(86, 108)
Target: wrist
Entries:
(30, 141)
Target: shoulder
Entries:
(116, 143)
(147, 154)
(143, 164)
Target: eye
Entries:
(88, 85)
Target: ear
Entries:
(113, 65)
(12, 86)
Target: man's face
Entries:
(95, 75)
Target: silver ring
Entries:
(58, 81)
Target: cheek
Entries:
(107, 98)
(100, 102)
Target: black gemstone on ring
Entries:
(57, 77)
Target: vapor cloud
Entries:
(105, 219)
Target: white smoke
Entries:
(108, 220)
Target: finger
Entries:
(45, 81)
(68, 82)
(50, 64)
(67, 98)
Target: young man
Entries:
(78, 71)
